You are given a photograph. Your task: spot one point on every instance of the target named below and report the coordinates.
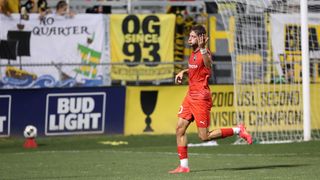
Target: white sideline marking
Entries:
(164, 153)
(209, 143)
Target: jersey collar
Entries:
(197, 50)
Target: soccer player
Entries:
(197, 103)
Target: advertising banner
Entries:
(267, 108)
(146, 39)
(53, 41)
(153, 110)
(69, 111)
(75, 113)
(5, 111)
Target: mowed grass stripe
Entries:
(150, 157)
(167, 153)
(112, 164)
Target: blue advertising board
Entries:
(5, 104)
(68, 111)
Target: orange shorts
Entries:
(196, 109)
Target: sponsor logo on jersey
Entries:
(193, 66)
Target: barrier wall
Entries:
(153, 110)
(147, 109)
(162, 103)
(63, 111)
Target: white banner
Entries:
(55, 40)
(286, 37)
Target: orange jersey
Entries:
(199, 75)
(197, 104)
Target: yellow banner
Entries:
(160, 103)
(264, 108)
(144, 39)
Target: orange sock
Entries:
(183, 156)
(226, 132)
(183, 152)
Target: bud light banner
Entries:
(5, 104)
(68, 111)
(53, 51)
(75, 113)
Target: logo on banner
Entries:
(75, 113)
(5, 105)
(144, 41)
(148, 101)
(142, 36)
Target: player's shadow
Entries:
(42, 145)
(254, 167)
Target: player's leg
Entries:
(204, 134)
(181, 129)
(240, 130)
(182, 142)
(201, 111)
(185, 118)
(182, 147)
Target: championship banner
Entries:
(153, 110)
(265, 108)
(315, 104)
(286, 39)
(146, 39)
(53, 41)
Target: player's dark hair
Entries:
(199, 29)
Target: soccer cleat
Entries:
(244, 134)
(180, 169)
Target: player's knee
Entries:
(180, 131)
(203, 137)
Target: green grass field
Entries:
(151, 156)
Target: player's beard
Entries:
(194, 46)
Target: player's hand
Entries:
(202, 41)
(178, 78)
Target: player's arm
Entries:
(179, 76)
(202, 41)
(206, 58)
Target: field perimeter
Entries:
(150, 157)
